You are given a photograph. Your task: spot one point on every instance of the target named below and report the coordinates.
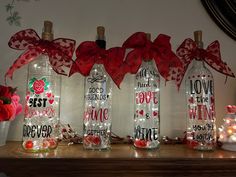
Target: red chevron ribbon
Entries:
(188, 51)
(59, 50)
(167, 63)
(89, 53)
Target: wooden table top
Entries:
(76, 151)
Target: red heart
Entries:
(51, 101)
(141, 112)
(49, 95)
(190, 100)
(154, 113)
(212, 99)
(140, 143)
(27, 97)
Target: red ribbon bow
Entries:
(89, 53)
(59, 50)
(188, 51)
(166, 61)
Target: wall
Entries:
(77, 19)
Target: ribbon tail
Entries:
(117, 75)
(22, 60)
(133, 61)
(220, 67)
(74, 68)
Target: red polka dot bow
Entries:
(166, 61)
(59, 50)
(188, 51)
(89, 53)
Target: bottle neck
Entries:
(101, 43)
(198, 63)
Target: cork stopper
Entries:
(148, 36)
(198, 38)
(47, 31)
(100, 32)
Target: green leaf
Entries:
(9, 7)
(10, 20)
(17, 23)
(32, 81)
(15, 14)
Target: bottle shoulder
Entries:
(199, 70)
(147, 70)
(41, 66)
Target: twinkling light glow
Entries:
(230, 131)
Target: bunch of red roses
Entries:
(9, 103)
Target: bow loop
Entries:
(66, 46)
(24, 39)
(162, 42)
(159, 50)
(89, 53)
(188, 51)
(137, 40)
(60, 51)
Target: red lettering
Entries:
(105, 113)
(146, 97)
(192, 113)
(208, 113)
(93, 114)
(199, 111)
(155, 99)
(202, 112)
(141, 97)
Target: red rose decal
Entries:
(38, 86)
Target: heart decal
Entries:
(51, 101)
(141, 112)
(155, 113)
(49, 95)
(191, 100)
(50, 98)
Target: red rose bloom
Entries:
(38, 86)
(5, 92)
(6, 111)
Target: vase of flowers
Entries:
(9, 109)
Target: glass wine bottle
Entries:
(42, 109)
(98, 101)
(147, 105)
(199, 84)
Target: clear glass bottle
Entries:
(42, 108)
(98, 101)
(227, 132)
(199, 85)
(147, 106)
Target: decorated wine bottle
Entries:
(42, 109)
(199, 84)
(98, 101)
(147, 105)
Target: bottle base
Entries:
(144, 144)
(38, 146)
